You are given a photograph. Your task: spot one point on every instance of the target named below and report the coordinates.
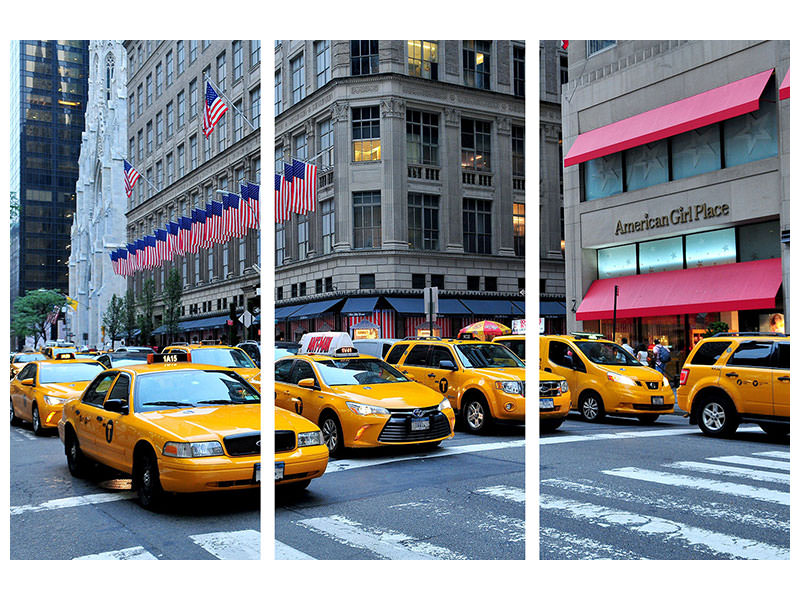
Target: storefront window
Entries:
(646, 165)
(603, 176)
(760, 241)
(752, 136)
(661, 255)
(616, 262)
(696, 152)
(711, 248)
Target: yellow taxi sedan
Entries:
(41, 388)
(172, 425)
(300, 451)
(214, 353)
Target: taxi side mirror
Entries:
(28, 382)
(447, 364)
(307, 383)
(115, 405)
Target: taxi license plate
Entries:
(658, 400)
(546, 403)
(278, 471)
(420, 424)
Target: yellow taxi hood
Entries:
(643, 373)
(391, 395)
(547, 376)
(286, 420)
(506, 374)
(248, 373)
(65, 390)
(205, 422)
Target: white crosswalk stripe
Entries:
(506, 492)
(73, 501)
(774, 454)
(731, 470)
(231, 545)
(572, 547)
(135, 553)
(753, 462)
(286, 552)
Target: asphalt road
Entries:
(55, 516)
(464, 500)
(623, 490)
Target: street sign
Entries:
(430, 297)
(246, 318)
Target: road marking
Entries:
(753, 462)
(72, 502)
(570, 547)
(346, 465)
(774, 454)
(135, 553)
(286, 552)
(231, 545)
(505, 492)
(697, 483)
(25, 434)
(672, 530)
(388, 544)
(624, 435)
(754, 474)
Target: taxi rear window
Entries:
(23, 358)
(191, 388)
(69, 373)
(223, 357)
(358, 371)
(708, 352)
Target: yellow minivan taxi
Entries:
(604, 378)
(300, 450)
(554, 401)
(359, 401)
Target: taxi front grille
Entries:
(242, 444)
(549, 389)
(284, 441)
(653, 406)
(398, 428)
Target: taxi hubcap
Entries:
(590, 408)
(475, 415)
(329, 433)
(35, 418)
(714, 416)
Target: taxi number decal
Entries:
(170, 358)
(443, 385)
(109, 431)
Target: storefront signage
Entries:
(678, 216)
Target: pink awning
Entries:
(715, 105)
(783, 91)
(736, 286)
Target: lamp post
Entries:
(614, 320)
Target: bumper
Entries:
(508, 407)
(207, 474)
(302, 463)
(368, 432)
(561, 408)
(50, 415)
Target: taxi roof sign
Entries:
(329, 343)
(64, 356)
(177, 357)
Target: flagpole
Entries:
(143, 177)
(231, 104)
(322, 168)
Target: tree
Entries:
(716, 327)
(129, 316)
(173, 290)
(31, 311)
(145, 317)
(113, 318)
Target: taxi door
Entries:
(747, 377)
(117, 438)
(415, 365)
(283, 372)
(780, 380)
(562, 359)
(20, 394)
(89, 415)
(304, 401)
(444, 380)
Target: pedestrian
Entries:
(627, 346)
(660, 356)
(641, 354)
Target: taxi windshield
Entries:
(191, 388)
(69, 372)
(607, 353)
(358, 371)
(477, 356)
(24, 358)
(223, 357)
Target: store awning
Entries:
(783, 91)
(314, 309)
(520, 306)
(736, 286)
(451, 306)
(718, 104)
(282, 312)
(364, 305)
(549, 308)
(492, 307)
(407, 306)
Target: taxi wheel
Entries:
(717, 417)
(76, 461)
(591, 407)
(147, 482)
(14, 419)
(332, 434)
(477, 417)
(647, 419)
(36, 421)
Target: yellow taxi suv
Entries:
(172, 425)
(41, 388)
(554, 401)
(300, 451)
(483, 381)
(359, 401)
(514, 342)
(733, 378)
(604, 378)
(213, 353)
(20, 359)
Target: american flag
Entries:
(198, 229)
(281, 208)
(216, 223)
(132, 268)
(149, 251)
(122, 260)
(249, 207)
(215, 108)
(255, 205)
(114, 263)
(304, 187)
(172, 240)
(237, 216)
(131, 176)
(184, 235)
(140, 254)
(161, 246)
(287, 188)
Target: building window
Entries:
(646, 165)
(294, 290)
(318, 286)
(159, 174)
(298, 70)
(519, 71)
(238, 60)
(752, 136)
(329, 284)
(131, 108)
(149, 137)
(473, 283)
(159, 129)
(181, 108)
(423, 59)
(477, 63)
(255, 52)
(170, 168)
(278, 92)
(139, 100)
(437, 281)
(279, 293)
(595, 46)
(242, 254)
(367, 219)
(476, 144)
(422, 137)
(170, 119)
(280, 244)
(302, 288)
(417, 281)
(490, 284)
(366, 281)
(192, 51)
(238, 121)
(603, 176)
(519, 228)
(423, 221)
(366, 134)
(222, 136)
(301, 146)
(222, 72)
(180, 55)
(159, 80)
(326, 143)
(477, 226)
(363, 57)
(140, 140)
(193, 151)
(193, 106)
(328, 225)
(302, 237)
(255, 106)
(148, 86)
(563, 67)
(696, 152)
(206, 148)
(322, 51)
(518, 151)
(181, 160)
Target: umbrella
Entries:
(485, 330)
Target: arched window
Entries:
(109, 74)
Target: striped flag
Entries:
(246, 208)
(281, 208)
(215, 108)
(238, 214)
(304, 188)
(114, 262)
(198, 229)
(172, 240)
(255, 205)
(288, 189)
(161, 246)
(131, 176)
(184, 235)
(132, 268)
(122, 261)
(149, 251)
(141, 255)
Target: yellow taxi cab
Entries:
(483, 381)
(359, 401)
(604, 378)
(20, 359)
(51, 352)
(172, 425)
(41, 388)
(554, 401)
(514, 342)
(300, 450)
(212, 352)
(733, 378)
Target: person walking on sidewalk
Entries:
(661, 355)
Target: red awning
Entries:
(736, 286)
(715, 105)
(783, 91)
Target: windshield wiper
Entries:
(166, 403)
(217, 402)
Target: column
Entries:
(394, 211)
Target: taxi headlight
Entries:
(665, 382)
(623, 379)
(563, 386)
(53, 400)
(310, 438)
(509, 387)
(366, 409)
(192, 450)
(445, 403)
